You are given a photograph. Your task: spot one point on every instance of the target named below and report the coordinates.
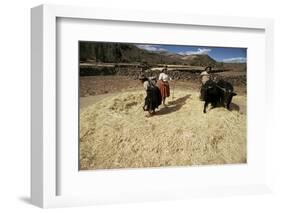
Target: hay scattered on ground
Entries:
(114, 133)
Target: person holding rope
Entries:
(163, 84)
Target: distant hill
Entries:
(129, 53)
(200, 60)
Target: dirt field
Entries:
(96, 85)
(114, 132)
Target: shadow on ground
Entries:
(173, 105)
(234, 107)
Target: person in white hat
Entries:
(205, 76)
(163, 84)
(153, 96)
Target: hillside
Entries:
(129, 53)
(199, 60)
(122, 53)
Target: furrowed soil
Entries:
(115, 133)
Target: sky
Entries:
(221, 54)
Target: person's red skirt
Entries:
(164, 88)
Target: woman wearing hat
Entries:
(163, 83)
(153, 95)
(205, 76)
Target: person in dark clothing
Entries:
(153, 96)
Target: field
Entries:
(115, 133)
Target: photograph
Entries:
(161, 105)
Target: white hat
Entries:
(204, 73)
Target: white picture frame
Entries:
(44, 153)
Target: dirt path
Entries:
(97, 85)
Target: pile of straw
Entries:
(114, 133)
